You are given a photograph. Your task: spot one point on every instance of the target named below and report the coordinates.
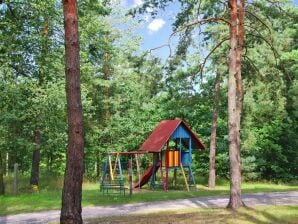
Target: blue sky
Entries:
(157, 30)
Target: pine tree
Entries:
(72, 190)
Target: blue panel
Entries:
(185, 158)
(180, 132)
(189, 151)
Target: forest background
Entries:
(126, 91)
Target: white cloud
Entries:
(149, 9)
(156, 25)
(137, 3)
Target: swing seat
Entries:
(113, 187)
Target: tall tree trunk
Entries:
(35, 161)
(72, 190)
(34, 179)
(2, 188)
(234, 149)
(213, 132)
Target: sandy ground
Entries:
(274, 198)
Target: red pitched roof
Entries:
(162, 133)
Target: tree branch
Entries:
(161, 46)
(202, 65)
(202, 21)
(261, 21)
(185, 27)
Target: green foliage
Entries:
(125, 92)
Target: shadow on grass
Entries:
(207, 216)
(164, 218)
(256, 213)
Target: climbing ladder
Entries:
(188, 177)
(185, 178)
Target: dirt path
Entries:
(274, 198)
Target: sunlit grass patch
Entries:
(261, 214)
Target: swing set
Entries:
(113, 178)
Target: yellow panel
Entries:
(176, 158)
(171, 158)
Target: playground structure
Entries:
(171, 144)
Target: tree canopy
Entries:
(126, 91)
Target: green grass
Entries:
(49, 196)
(260, 214)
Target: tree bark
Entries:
(2, 187)
(239, 103)
(233, 127)
(213, 132)
(72, 190)
(35, 161)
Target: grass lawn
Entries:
(260, 214)
(49, 196)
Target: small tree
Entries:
(211, 182)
